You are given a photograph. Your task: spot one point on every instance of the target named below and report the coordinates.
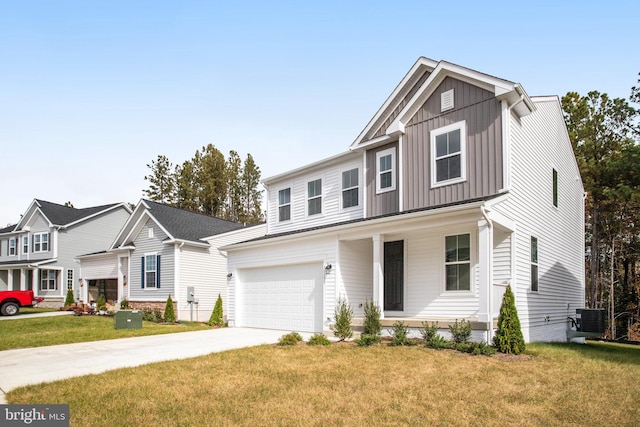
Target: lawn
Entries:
(43, 331)
(557, 384)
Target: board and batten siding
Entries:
(317, 249)
(539, 144)
(332, 211)
(386, 202)
(481, 113)
(145, 245)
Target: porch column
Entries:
(485, 272)
(23, 279)
(34, 281)
(378, 278)
(10, 279)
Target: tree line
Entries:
(209, 184)
(605, 135)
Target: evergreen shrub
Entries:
(367, 340)
(169, 313)
(319, 339)
(69, 300)
(508, 337)
(216, 318)
(342, 320)
(292, 338)
(371, 325)
(460, 331)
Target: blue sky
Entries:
(92, 91)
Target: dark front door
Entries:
(393, 275)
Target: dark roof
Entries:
(192, 226)
(360, 220)
(25, 261)
(63, 215)
(8, 229)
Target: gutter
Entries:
(483, 209)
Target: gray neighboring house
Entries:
(38, 252)
(161, 251)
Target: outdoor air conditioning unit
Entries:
(590, 320)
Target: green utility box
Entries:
(128, 319)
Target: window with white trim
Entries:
(458, 262)
(41, 242)
(69, 279)
(314, 197)
(448, 154)
(386, 172)
(25, 244)
(13, 246)
(350, 196)
(284, 204)
(150, 271)
(534, 264)
(48, 280)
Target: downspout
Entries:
(490, 284)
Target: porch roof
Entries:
(26, 263)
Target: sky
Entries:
(92, 91)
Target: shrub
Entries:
(69, 300)
(508, 338)
(438, 342)
(124, 304)
(319, 339)
(476, 348)
(428, 331)
(157, 315)
(169, 313)
(399, 333)
(342, 320)
(366, 340)
(292, 338)
(147, 314)
(460, 331)
(101, 303)
(371, 325)
(216, 314)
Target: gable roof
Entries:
(419, 84)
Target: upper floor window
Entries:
(555, 188)
(41, 242)
(314, 197)
(284, 204)
(350, 196)
(534, 264)
(386, 173)
(25, 244)
(13, 246)
(458, 262)
(448, 153)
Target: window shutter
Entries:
(142, 276)
(158, 271)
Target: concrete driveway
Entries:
(45, 364)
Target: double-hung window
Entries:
(150, 271)
(458, 262)
(534, 264)
(48, 280)
(386, 173)
(284, 204)
(41, 242)
(350, 188)
(314, 197)
(25, 244)
(448, 154)
(13, 246)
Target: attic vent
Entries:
(446, 100)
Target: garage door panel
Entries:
(283, 297)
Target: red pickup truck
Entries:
(11, 301)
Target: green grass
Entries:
(33, 310)
(557, 385)
(44, 331)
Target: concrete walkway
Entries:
(32, 315)
(45, 364)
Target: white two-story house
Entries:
(39, 251)
(460, 184)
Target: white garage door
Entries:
(284, 297)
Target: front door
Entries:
(394, 275)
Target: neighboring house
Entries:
(459, 185)
(162, 251)
(38, 253)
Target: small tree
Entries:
(371, 325)
(508, 338)
(216, 315)
(69, 300)
(342, 320)
(169, 313)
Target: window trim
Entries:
(69, 278)
(12, 251)
(288, 204)
(383, 153)
(555, 187)
(319, 196)
(154, 255)
(534, 263)
(462, 126)
(470, 262)
(38, 240)
(48, 280)
(25, 244)
(355, 187)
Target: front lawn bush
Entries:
(69, 300)
(428, 331)
(508, 338)
(216, 318)
(319, 339)
(399, 333)
(169, 313)
(292, 338)
(342, 320)
(371, 325)
(460, 331)
(366, 340)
